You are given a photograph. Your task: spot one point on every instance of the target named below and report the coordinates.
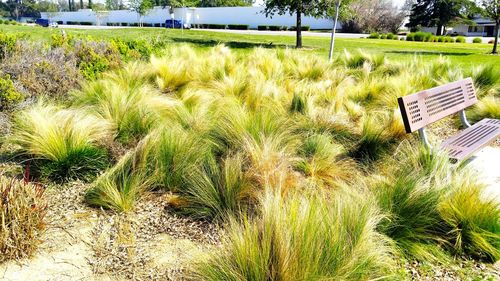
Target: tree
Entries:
(373, 15)
(315, 8)
(142, 7)
(440, 13)
(491, 9)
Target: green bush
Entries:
(8, 93)
(302, 238)
(390, 36)
(383, 36)
(93, 58)
(217, 26)
(303, 28)
(7, 44)
(276, 27)
(124, 24)
(73, 22)
(1, 21)
(422, 36)
(460, 39)
(86, 23)
(410, 37)
(263, 27)
(477, 40)
(22, 211)
(238, 26)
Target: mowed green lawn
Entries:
(466, 55)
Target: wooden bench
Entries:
(423, 108)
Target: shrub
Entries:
(390, 36)
(460, 39)
(301, 238)
(22, 211)
(7, 44)
(59, 22)
(8, 93)
(276, 27)
(38, 71)
(1, 21)
(93, 58)
(477, 40)
(62, 142)
(383, 36)
(410, 37)
(474, 219)
(124, 24)
(263, 27)
(73, 22)
(86, 23)
(422, 36)
(217, 26)
(303, 28)
(238, 26)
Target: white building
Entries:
(482, 27)
(252, 16)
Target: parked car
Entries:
(176, 24)
(46, 23)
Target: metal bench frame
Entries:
(426, 107)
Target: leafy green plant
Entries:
(477, 40)
(8, 93)
(22, 212)
(374, 35)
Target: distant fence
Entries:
(251, 16)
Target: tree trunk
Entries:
(69, 5)
(298, 44)
(439, 30)
(90, 4)
(496, 34)
(81, 4)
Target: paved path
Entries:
(487, 162)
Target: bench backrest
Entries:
(423, 108)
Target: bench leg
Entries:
(463, 118)
(423, 137)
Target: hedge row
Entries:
(11, 22)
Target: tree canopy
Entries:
(440, 13)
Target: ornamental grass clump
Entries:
(473, 217)
(22, 212)
(301, 237)
(64, 144)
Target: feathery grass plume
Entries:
(321, 162)
(64, 143)
(124, 104)
(121, 186)
(302, 238)
(361, 59)
(176, 153)
(368, 91)
(305, 67)
(487, 107)
(486, 80)
(442, 71)
(22, 211)
(410, 195)
(266, 63)
(474, 218)
(374, 142)
(171, 73)
(215, 192)
(413, 220)
(299, 104)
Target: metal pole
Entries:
(334, 30)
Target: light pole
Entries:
(334, 30)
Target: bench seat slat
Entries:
(472, 139)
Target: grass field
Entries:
(465, 55)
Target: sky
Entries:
(397, 2)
